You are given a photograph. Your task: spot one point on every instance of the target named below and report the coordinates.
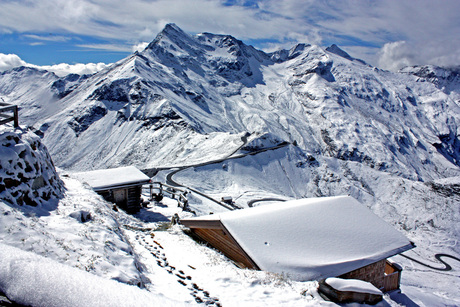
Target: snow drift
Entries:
(29, 279)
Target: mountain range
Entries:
(183, 88)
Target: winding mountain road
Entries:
(172, 182)
(252, 202)
(446, 267)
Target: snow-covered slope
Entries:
(37, 92)
(446, 79)
(58, 219)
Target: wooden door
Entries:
(120, 197)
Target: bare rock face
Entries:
(27, 173)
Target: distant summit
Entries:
(446, 79)
(336, 50)
(171, 33)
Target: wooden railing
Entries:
(4, 118)
(172, 191)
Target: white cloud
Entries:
(396, 55)
(80, 69)
(139, 20)
(10, 61)
(140, 47)
(49, 38)
(374, 31)
(106, 47)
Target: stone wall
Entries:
(373, 273)
(27, 173)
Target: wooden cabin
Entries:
(122, 186)
(308, 239)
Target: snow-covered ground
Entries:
(171, 265)
(34, 280)
(80, 230)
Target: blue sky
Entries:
(388, 34)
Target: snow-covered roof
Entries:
(314, 238)
(113, 177)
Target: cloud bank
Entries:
(10, 61)
(80, 69)
(396, 55)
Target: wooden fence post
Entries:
(16, 117)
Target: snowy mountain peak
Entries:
(172, 40)
(340, 52)
(27, 72)
(230, 45)
(297, 50)
(171, 30)
(335, 49)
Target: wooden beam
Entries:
(7, 120)
(248, 258)
(205, 224)
(8, 108)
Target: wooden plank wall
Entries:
(134, 199)
(224, 242)
(392, 278)
(381, 274)
(131, 204)
(391, 282)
